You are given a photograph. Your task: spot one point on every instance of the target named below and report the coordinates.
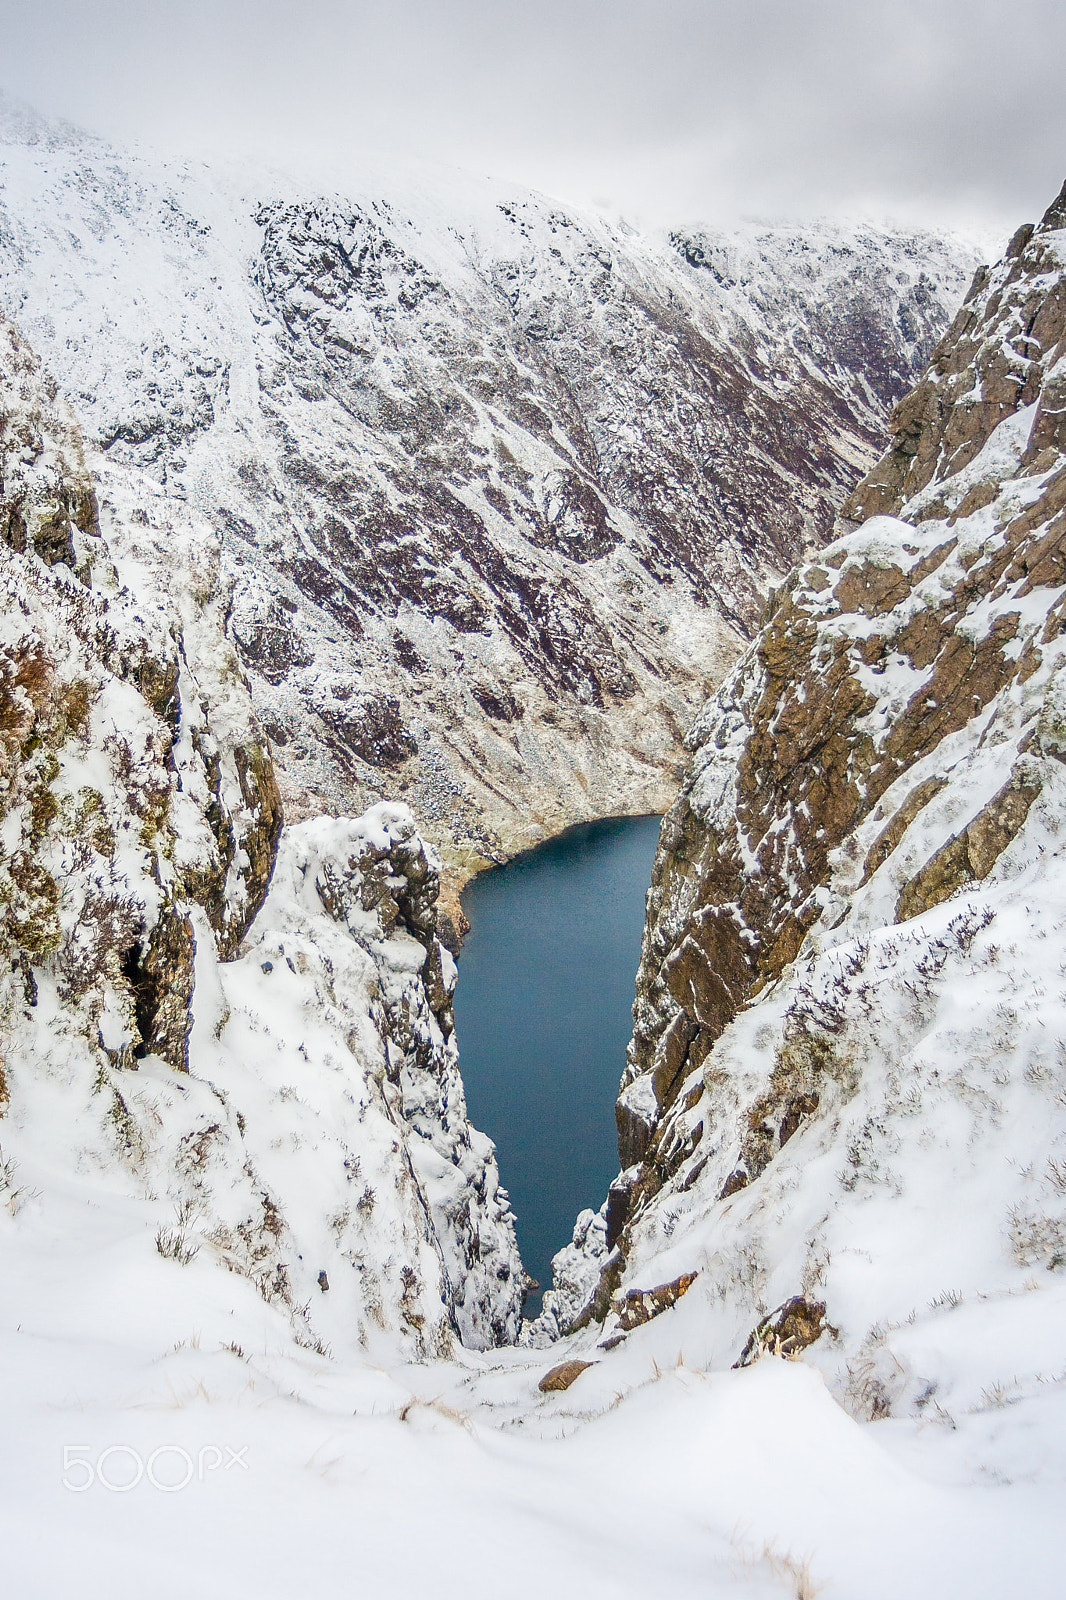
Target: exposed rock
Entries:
(562, 1376)
(786, 1332)
(971, 855)
(47, 502)
(638, 1306)
(374, 882)
(162, 984)
(138, 913)
(133, 784)
(999, 355)
(891, 742)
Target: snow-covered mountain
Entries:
(843, 1120)
(259, 1320)
(501, 488)
(242, 1222)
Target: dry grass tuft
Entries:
(794, 1572)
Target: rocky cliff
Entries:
(500, 488)
(250, 1246)
(136, 780)
(229, 1056)
(841, 1123)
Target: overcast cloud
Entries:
(945, 112)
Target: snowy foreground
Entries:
(315, 1477)
(368, 1476)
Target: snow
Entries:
(289, 1274)
(660, 1470)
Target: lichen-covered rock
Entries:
(786, 1332)
(319, 1135)
(638, 1306)
(556, 1379)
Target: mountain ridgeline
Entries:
(500, 488)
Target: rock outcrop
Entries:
(896, 641)
(845, 1078)
(343, 992)
(136, 782)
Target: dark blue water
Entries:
(543, 1012)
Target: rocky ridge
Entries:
(500, 488)
(843, 1103)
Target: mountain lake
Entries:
(543, 1012)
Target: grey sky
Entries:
(943, 111)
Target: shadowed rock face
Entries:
(502, 488)
(999, 355)
(885, 673)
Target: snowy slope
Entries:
(258, 1273)
(501, 489)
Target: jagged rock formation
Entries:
(845, 1085)
(501, 489)
(269, 1081)
(271, 1229)
(365, 1150)
(135, 782)
(999, 357)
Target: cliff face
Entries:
(135, 779)
(1000, 356)
(245, 1225)
(265, 1083)
(843, 1103)
(500, 489)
